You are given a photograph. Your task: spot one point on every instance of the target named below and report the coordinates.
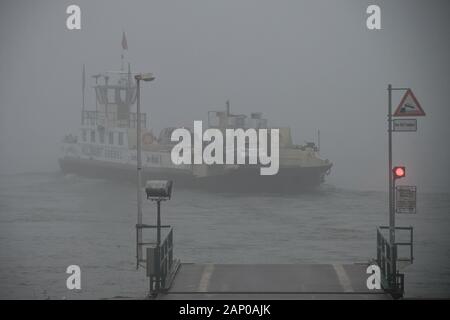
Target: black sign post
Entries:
(408, 107)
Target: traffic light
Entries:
(399, 172)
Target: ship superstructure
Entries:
(106, 147)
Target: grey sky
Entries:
(306, 64)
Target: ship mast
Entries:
(83, 85)
(124, 47)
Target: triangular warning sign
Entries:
(409, 106)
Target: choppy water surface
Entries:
(49, 221)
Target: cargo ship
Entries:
(106, 147)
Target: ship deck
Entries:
(271, 281)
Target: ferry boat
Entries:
(106, 147)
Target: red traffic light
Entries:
(399, 172)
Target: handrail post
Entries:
(158, 245)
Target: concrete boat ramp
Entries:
(270, 281)
(171, 279)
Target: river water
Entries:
(49, 221)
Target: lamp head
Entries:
(159, 189)
(145, 77)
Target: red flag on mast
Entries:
(124, 42)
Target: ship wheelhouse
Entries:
(114, 99)
(109, 130)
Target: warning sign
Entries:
(405, 199)
(409, 106)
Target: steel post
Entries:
(139, 169)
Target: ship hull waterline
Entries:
(245, 179)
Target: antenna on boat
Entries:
(124, 47)
(318, 140)
(129, 76)
(96, 76)
(83, 85)
(228, 107)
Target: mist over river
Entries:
(49, 221)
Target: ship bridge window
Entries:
(120, 138)
(112, 153)
(240, 122)
(101, 135)
(156, 159)
(111, 138)
(111, 96)
(92, 136)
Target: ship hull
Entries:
(245, 179)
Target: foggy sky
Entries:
(305, 64)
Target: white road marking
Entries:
(206, 277)
(343, 278)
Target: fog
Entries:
(305, 64)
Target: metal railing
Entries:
(160, 263)
(94, 118)
(409, 243)
(387, 260)
(165, 262)
(140, 245)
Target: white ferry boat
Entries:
(107, 141)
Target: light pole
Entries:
(391, 184)
(391, 193)
(144, 77)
